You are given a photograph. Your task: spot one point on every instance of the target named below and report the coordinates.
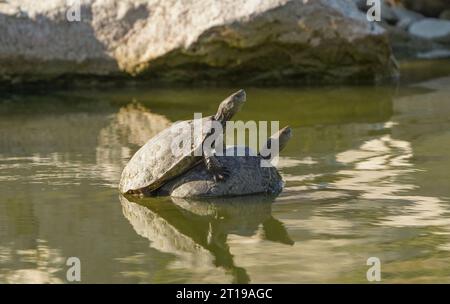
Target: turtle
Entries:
(177, 149)
(248, 176)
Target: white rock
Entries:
(433, 29)
(253, 40)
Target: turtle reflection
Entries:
(199, 229)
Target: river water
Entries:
(367, 175)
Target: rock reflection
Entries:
(129, 129)
(70, 148)
(424, 120)
(377, 171)
(362, 179)
(372, 168)
(402, 164)
(196, 232)
(41, 265)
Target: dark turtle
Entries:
(155, 163)
(247, 175)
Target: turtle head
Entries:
(284, 135)
(230, 106)
(281, 138)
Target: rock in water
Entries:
(170, 40)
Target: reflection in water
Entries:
(380, 168)
(114, 143)
(376, 171)
(197, 231)
(129, 129)
(373, 168)
(40, 264)
(362, 179)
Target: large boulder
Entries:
(252, 41)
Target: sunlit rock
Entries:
(252, 41)
(432, 29)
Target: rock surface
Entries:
(218, 41)
(431, 8)
(432, 29)
(412, 35)
(406, 17)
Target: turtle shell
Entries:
(247, 176)
(170, 153)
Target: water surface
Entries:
(367, 175)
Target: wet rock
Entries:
(219, 41)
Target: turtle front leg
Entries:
(219, 172)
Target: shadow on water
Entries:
(197, 227)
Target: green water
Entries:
(367, 175)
